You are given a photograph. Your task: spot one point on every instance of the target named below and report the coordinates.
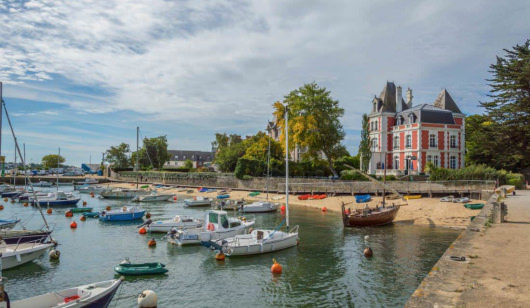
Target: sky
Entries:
(82, 75)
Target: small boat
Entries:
(368, 217)
(92, 295)
(254, 193)
(318, 197)
(6, 188)
(198, 201)
(25, 197)
(21, 253)
(223, 196)
(462, 200)
(122, 193)
(24, 236)
(154, 268)
(42, 184)
(218, 225)
(91, 214)
(57, 199)
(230, 204)
(153, 197)
(179, 222)
(304, 197)
(260, 207)
(122, 214)
(88, 181)
(363, 198)
(8, 224)
(80, 209)
(447, 199)
(474, 206)
(87, 188)
(408, 197)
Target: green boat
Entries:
(80, 209)
(140, 269)
(474, 206)
(91, 214)
(253, 194)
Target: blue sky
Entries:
(81, 75)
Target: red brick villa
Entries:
(411, 136)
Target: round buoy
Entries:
(142, 230)
(368, 252)
(151, 243)
(54, 254)
(26, 204)
(5, 199)
(276, 268)
(220, 256)
(108, 208)
(366, 238)
(84, 203)
(92, 195)
(69, 214)
(324, 209)
(147, 299)
(83, 218)
(1, 207)
(148, 215)
(49, 211)
(175, 198)
(12, 201)
(73, 225)
(282, 208)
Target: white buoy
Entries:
(147, 299)
(366, 237)
(54, 254)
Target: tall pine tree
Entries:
(364, 146)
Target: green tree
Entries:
(188, 164)
(509, 109)
(365, 151)
(481, 139)
(259, 147)
(154, 152)
(52, 161)
(117, 156)
(231, 148)
(313, 122)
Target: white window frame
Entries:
(452, 162)
(436, 160)
(396, 162)
(396, 142)
(408, 141)
(432, 141)
(452, 142)
(375, 144)
(429, 158)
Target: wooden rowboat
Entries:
(408, 197)
(369, 218)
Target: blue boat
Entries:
(122, 214)
(8, 224)
(57, 199)
(363, 198)
(223, 196)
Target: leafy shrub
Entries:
(352, 175)
(515, 179)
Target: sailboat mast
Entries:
(58, 166)
(137, 153)
(287, 166)
(1, 116)
(268, 162)
(384, 181)
(15, 168)
(25, 171)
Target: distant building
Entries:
(411, 136)
(198, 158)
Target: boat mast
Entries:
(1, 114)
(15, 168)
(287, 166)
(25, 171)
(268, 160)
(58, 166)
(137, 153)
(384, 181)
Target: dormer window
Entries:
(412, 118)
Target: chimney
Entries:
(398, 99)
(409, 97)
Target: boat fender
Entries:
(211, 227)
(147, 298)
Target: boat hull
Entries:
(376, 218)
(197, 203)
(289, 241)
(11, 259)
(122, 216)
(140, 269)
(167, 226)
(24, 237)
(59, 202)
(151, 198)
(8, 224)
(260, 207)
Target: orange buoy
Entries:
(108, 208)
(368, 253)
(73, 225)
(151, 243)
(69, 214)
(5, 199)
(92, 194)
(83, 218)
(26, 204)
(220, 256)
(84, 203)
(1, 207)
(148, 215)
(142, 230)
(12, 201)
(175, 198)
(324, 209)
(276, 268)
(49, 211)
(282, 208)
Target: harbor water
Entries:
(327, 269)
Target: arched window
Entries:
(452, 142)
(452, 162)
(396, 142)
(408, 141)
(432, 140)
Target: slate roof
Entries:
(387, 99)
(428, 114)
(191, 155)
(445, 101)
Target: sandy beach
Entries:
(424, 211)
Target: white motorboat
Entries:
(18, 254)
(260, 207)
(261, 240)
(179, 222)
(462, 200)
(198, 201)
(87, 188)
(42, 184)
(447, 199)
(57, 199)
(87, 181)
(218, 225)
(153, 197)
(97, 294)
(122, 193)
